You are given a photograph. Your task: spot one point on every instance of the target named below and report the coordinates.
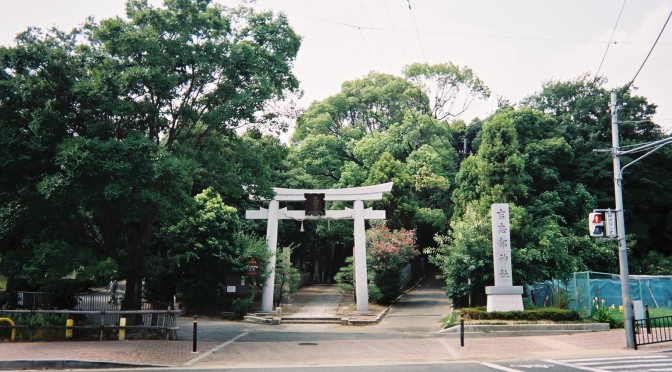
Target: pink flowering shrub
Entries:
(388, 252)
(390, 249)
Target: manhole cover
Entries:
(308, 343)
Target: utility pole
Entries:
(620, 221)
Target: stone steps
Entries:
(310, 320)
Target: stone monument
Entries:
(503, 296)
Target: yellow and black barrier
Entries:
(8, 320)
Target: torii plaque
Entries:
(355, 194)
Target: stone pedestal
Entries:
(500, 298)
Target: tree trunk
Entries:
(134, 270)
(133, 295)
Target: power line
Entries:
(375, 34)
(394, 28)
(610, 39)
(417, 33)
(649, 54)
(470, 34)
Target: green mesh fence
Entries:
(582, 287)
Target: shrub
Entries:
(602, 313)
(241, 306)
(389, 251)
(345, 280)
(541, 313)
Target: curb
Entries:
(20, 364)
(524, 329)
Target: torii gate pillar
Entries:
(272, 241)
(356, 194)
(361, 277)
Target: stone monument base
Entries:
(504, 298)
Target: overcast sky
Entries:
(513, 46)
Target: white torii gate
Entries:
(355, 194)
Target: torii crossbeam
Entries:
(355, 194)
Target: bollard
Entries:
(462, 332)
(634, 331)
(122, 330)
(68, 331)
(648, 319)
(195, 336)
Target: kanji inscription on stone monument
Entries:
(503, 296)
(501, 244)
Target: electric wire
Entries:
(471, 34)
(417, 33)
(646, 146)
(604, 56)
(394, 28)
(366, 45)
(649, 54)
(375, 34)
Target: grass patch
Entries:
(654, 312)
(450, 320)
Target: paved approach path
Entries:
(317, 301)
(420, 310)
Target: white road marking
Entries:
(219, 347)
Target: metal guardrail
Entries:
(163, 321)
(652, 330)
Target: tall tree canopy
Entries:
(580, 108)
(383, 128)
(112, 128)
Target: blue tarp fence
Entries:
(582, 288)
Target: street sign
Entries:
(610, 225)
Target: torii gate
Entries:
(355, 194)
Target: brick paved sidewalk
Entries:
(337, 351)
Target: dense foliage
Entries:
(545, 313)
(111, 130)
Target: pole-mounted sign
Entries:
(602, 223)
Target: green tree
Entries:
(399, 205)
(342, 141)
(581, 110)
(514, 144)
(123, 188)
(116, 124)
(452, 89)
(199, 251)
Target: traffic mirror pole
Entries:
(620, 221)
